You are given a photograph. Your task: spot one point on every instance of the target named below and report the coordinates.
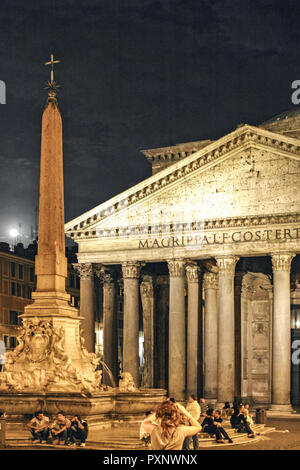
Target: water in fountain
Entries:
(109, 372)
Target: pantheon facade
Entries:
(206, 255)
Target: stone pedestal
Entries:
(131, 272)
(281, 366)
(177, 330)
(192, 273)
(226, 340)
(147, 298)
(87, 303)
(210, 285)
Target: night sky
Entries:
(134, 74)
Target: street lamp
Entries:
(14, 234)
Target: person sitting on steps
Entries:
(227, 410)
(238, 421)
(39, 427)
(78, 431)
(203, 407)
(59, 429)
(214, 428)
(218, 421)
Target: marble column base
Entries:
(281, 408)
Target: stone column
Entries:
(281, 367)
(147, 298)
(177, 330)
(226, 337)
(87, 303)
(192, 273)
(161, 324)
(131, 272)
(110, 332)
(210, 285)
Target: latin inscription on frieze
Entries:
(221, 238)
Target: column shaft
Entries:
(110, 337)
(210, 336)
(281, 375)
(192, 272)
(147, 297)
(87, 304)
(226, 340)
(177, 330)
(161, 324)
(131, 320)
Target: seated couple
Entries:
(242, 421)
(62, 430)
(212, 424)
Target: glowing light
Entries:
(14, 233)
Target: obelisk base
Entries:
(51, 356)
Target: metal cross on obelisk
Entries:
(52, 62)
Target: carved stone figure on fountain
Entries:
(39, 363)
(126, 384)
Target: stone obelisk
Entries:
(51, 262)
(50, 369)
(51, 356)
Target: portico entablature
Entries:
(248, 151)
(245, 240)
(238, 196)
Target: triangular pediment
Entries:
(206, 185)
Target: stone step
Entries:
(132, 443)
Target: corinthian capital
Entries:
(210, 281)
(176, 267)
(104, 275)
(131, 269)
(192, 272)
(107, 278)
(226, 264)
(282, 261)
(98, 270)
(85, 270)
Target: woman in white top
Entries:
(166, 426)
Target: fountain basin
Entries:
(101, 410)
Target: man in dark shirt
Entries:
(238, 421)
(213, 427)
(218, 421)
(78, 431)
